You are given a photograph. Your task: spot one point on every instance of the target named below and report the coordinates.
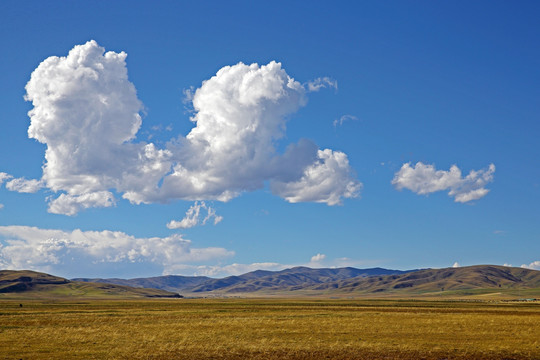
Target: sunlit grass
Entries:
(268, 329)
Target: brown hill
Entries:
(291, 279)
(32, 284)
(439, 280)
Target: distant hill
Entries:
(288, 279)
(480, 280)
(477, 277)
(173, 283)
(31, 284)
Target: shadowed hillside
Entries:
(480, 280)
(31, 284)
(288, 279)
(441, 280)
(173, 283)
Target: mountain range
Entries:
(289, 279)
(479, 280)
(482, 281)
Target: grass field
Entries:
(268, 329)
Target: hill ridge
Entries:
(295, 277)
(33, 284)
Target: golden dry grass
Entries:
(268, 329)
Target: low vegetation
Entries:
(268, 329)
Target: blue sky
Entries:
(396, 134)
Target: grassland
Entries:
(268, 329)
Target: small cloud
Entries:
(320, 83)
(193, 217)
(1, 206)
(228, 270)
(4, 176)
(188, 95)
(71, 204)
(318, 258)
(425, 179)
(23, 185)
(499, 232)
(456, 265)
(535, 265)
(507, 265)
(344, 118)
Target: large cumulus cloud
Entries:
(87, 113)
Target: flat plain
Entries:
(268, 329)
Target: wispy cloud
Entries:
(425, 179)
(193, 217)
(321, 83)
(4, 176)
(230, 269)
(343, 119)
(239, 115)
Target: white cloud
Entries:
(23, 185)
(328, 180)
(456, 265)
(321, 83)
(425, 179)
(4, 176)
(87, 113)
(318, 258)
(231, 269)
(344, 118)
(222, 270)
(507, 265)
(49, 250)
(72, 204)
(535, 265)
(193, 217)
(1, 206)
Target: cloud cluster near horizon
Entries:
(87, 113)
(112, 253)
(535, 265)
(49, 250)
(425, 179)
